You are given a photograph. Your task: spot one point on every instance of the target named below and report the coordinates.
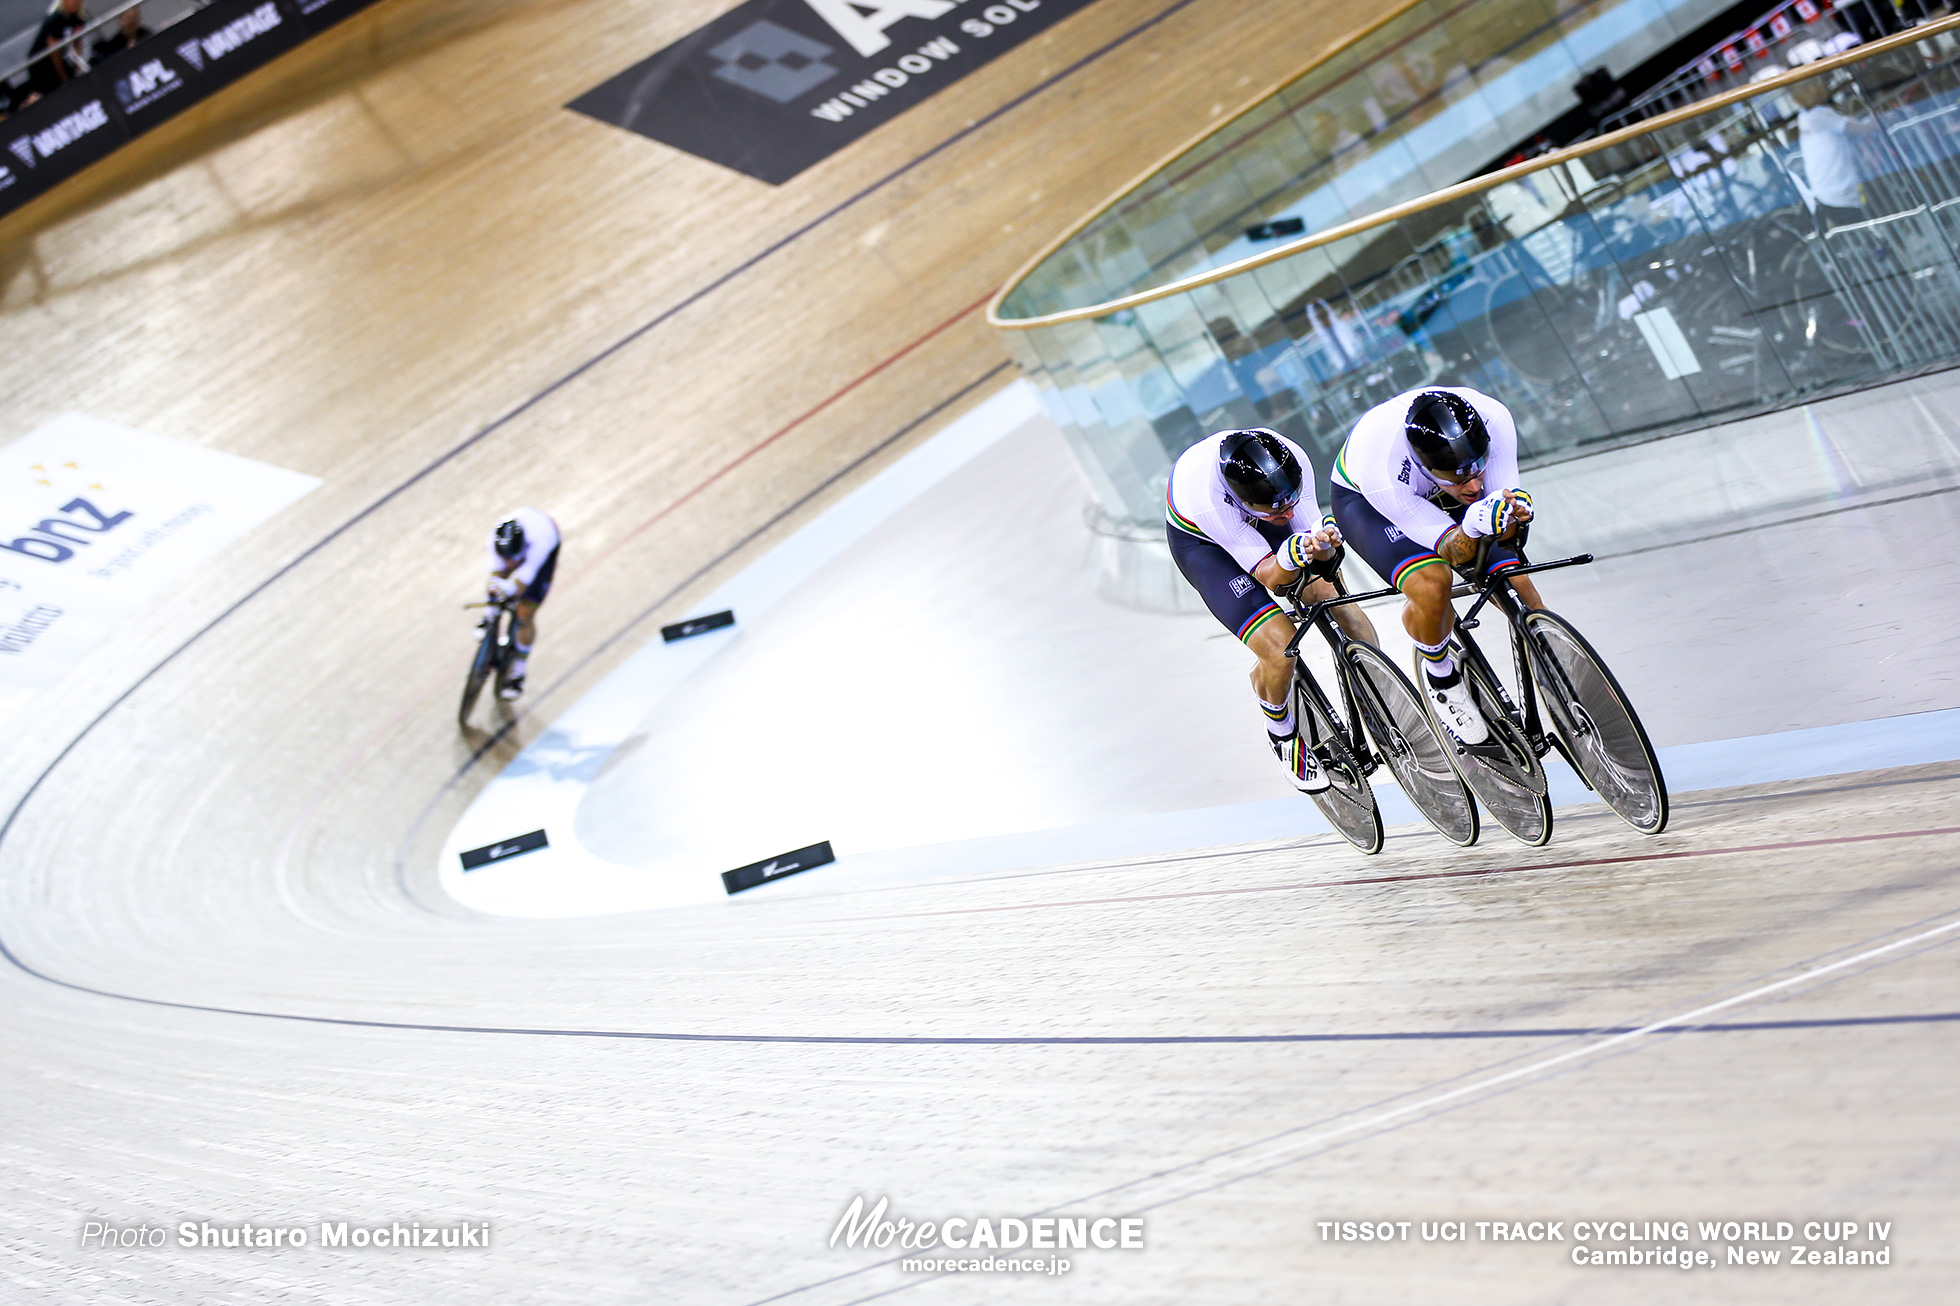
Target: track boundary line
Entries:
(978, 124)
(1469, 873)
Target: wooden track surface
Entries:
(392, 261)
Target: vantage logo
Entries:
(775, 86)
(49, 141)
(232, 36)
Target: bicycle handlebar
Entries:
(1312, 616)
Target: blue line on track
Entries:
(13, 815)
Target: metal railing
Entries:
(1778, 241)
(1452, 194)
(94, 25)
(1775, 41)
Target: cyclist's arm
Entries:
(1271, 574)
(528, 567)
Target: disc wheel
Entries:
(1348, 802)
(1503, 771)
(481, 667)
(1411, 745)
(1599, 729)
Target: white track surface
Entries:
(1002, 716)
(235, 991)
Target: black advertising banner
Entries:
(190, 59)
(55, 138)
(218, 44)
(134, 91)
(774, 86)
(477, 858)
(747, 877)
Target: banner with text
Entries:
(774, 86)
(97, 520)
(190, 59)
(132, 92)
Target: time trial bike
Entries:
(495, 651)
(1587, 716)
(1380, 718)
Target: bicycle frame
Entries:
(1319, 616)
(1496, 590)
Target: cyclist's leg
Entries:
(1242, 605)
(528, 604)
(1417, 571)
(1425, 581)
(1502, 558)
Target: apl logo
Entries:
(150, 77)
(773, 61)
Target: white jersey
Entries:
(1830, 158)
(1197, 502)
(540, 538)
(1377, 462)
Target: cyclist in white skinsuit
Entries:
(1413, 494)
(1240, 518)
(523, 560)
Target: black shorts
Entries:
(541, 583)
(1240, 603)
(1393, 555)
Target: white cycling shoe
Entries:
(1303, 765)
(1457, 711)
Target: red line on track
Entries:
(774, 436)
(1425, 875)
(360, 752)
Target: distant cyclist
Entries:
(523, 558)
(1242, 519)
(1421, 479)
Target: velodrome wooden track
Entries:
(391, 260)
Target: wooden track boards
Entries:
(392, 242)
(394, 238)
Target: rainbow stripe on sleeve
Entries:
(1178, 519)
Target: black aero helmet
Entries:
(510, 538)
(1447, 435)
(1259, 470)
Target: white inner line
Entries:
(1276, 1153)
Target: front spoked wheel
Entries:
(1411, 745)
(1348, 802)
(1503, 771)
(1598, 726)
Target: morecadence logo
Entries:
(774, 86)
(963, 1244)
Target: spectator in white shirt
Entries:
(1828, 140)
